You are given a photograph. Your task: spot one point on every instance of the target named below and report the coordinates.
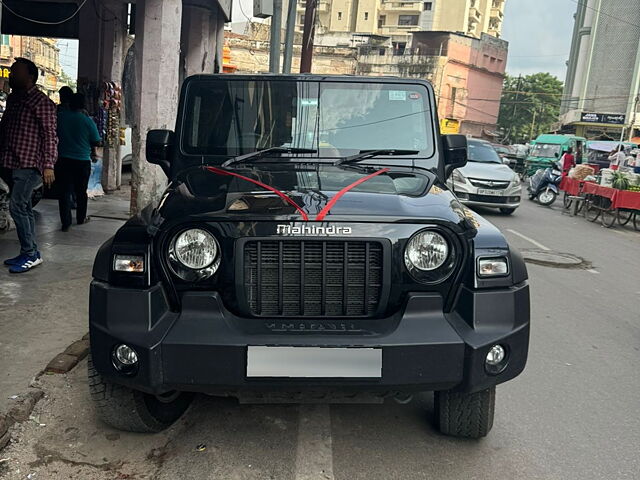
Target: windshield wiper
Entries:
(364, 154)
(262, 153)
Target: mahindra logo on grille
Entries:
(313, 230)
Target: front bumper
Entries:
(470, 195)
(204, 348)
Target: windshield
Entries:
(548, 150)
(236, 117)
(482, 153)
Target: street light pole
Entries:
(276, 31)
(308, 36)
(288, 37)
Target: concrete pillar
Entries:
(114, 31)
(199, 40)
(89, 47)
(158, 25)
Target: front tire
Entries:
(467, 415)
(547, 198)
(131, 410)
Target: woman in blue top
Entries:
(77, 136)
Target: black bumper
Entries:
(204, 348)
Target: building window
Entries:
(408, 19)
(382, 21)
(366, 15)
(302, 19)
(428, 6)
(4, 40)
(339, 15)
(493, 60)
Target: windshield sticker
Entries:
(414, 96)
(397, 95)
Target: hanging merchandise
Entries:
(111, 105)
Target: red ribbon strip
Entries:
(323, 213)
(282, 195)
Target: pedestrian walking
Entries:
(617, 158)
(28, 153)
(65, 94)
(78, 137)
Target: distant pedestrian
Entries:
(28, 153)
(617, 158)
(78, 137)
(65, 94)
(568, 161)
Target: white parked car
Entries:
(486, 181)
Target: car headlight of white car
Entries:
(458, 177)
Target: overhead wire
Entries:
(42, 22)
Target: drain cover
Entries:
(553, 259)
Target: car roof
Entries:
(557, 139)
(308, 78)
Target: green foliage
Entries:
(67, 80)
(531, 101)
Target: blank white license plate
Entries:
(495, 193)
(314, 362)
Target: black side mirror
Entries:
(159, 148)
(455, 153)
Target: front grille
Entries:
(488, 199)
(492, 184)
(312, 278)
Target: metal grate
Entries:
(313, 278)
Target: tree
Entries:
(529, 106)
(67, 80)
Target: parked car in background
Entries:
(485, 181)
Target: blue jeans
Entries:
(25, 180)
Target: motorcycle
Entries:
(545, 185)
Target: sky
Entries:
(538, 31)
(539, 34)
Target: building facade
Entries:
(603, 73)
(338, 19)
(467, 74)
(40, 50)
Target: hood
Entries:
(396, 195)
(487, 171)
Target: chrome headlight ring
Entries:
(194, 254)
(439, 251)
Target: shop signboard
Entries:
(603, 118)
(449, 126)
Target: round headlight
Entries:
(426, 251)
(195, 248)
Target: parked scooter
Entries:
(545, 185)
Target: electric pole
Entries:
(308, 36)
(276, 31)
(288, 37)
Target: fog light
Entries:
(496, 360)
(125, 358)
(496, 355)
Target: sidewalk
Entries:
(44, 310)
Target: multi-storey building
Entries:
(603, 73)
(398, 19)
(42, 51)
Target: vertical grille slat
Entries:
(312, 278)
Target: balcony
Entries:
(497, 13)
(401, 7)
(474, 15)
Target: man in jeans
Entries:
(28, 151)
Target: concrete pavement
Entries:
(571, 415)
(44, 310)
